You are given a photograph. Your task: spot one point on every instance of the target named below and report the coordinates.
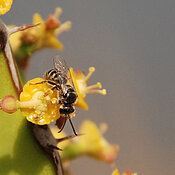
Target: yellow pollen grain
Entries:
(47, 98)
(54, 100)
(99, 85)
(37, 112)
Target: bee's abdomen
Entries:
(51, 75)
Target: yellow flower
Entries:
(45, 34)
(82, 88)
(48, 30)
(90, 142)
(5, 6)
(39, 103)
(94, 144)
(116, 172)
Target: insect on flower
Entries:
(60, 79)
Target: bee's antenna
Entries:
(72, 126)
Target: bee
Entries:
(60, 79)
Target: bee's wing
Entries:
(61, 65)
(70, 80)
(62, 70)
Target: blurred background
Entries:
(131, 43)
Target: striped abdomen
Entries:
(55, 75)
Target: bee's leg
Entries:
(60, 123)
(42, 82)
(45, 81)
(54, 87)
(72, 126)
(48, 92)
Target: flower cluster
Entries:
(40, 104)
(45, 35)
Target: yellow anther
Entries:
(88, 88)
(99, 85)
(103, 127)
(47, 98)
(54, 100)
(64, 27)
(91, 69)
(37, 112)
(58, 12)
(103, 91)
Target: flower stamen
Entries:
(81, 84)
(36, 101)
(97, 91)
(98, 85)
(58, 12)
(64, 27)
(91, 71)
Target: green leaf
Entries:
(19, 152)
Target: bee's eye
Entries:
(65, 95)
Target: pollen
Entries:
(54, 100)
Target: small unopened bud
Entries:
(8, 104)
